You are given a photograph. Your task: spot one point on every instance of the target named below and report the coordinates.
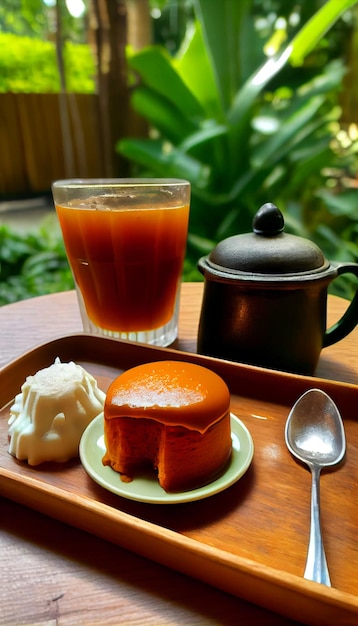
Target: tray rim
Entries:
(302, 382)
(237, 575)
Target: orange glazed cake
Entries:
(172, 416)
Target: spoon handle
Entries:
(316, 564)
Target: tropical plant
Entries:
(223, 120)
(32, 264)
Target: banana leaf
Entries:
(291, 132)
(157, 71)
(195, 69)
(161, 113)
(172, 163)
(224, 26)
(216, 91)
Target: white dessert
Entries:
(50, 414)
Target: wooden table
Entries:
(51, 573)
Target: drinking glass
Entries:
(125, 241)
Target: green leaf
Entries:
(313, 31)
(240, 111)
(329, 80)
(209, 145)
(194, 68)
(343, 204)
(156, 70)
(222, 27)
(289, 133)
(162, 114)
(297, 49)
(210, 131)
(171, 163)
(44, 261)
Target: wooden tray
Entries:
(249, 540)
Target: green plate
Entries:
(146, 488)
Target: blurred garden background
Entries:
(253, 101)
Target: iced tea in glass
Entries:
(125, 241)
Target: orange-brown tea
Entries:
(126, 261)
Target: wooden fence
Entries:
(44, 137)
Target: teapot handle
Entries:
(349, 319)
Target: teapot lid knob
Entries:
(268, 220)
(268, 251)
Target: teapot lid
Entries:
(268, 249)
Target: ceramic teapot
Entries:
(265, 298)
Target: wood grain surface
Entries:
(51, 573)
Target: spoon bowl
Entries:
(315, 435)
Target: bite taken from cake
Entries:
(171, 416)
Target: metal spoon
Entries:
(315, 435)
